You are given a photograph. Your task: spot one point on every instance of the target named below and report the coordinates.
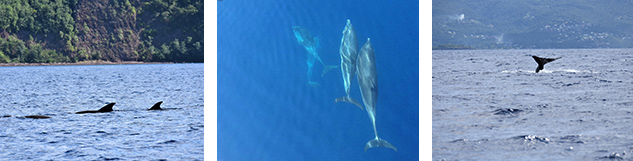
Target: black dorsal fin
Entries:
(107, 108)
(156, 106)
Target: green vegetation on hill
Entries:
(533, 24)
(47, 31)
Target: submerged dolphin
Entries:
(156, 106)
(368, 83)
(542, 61)
(348, 52)
(106, 108)
(311, 44)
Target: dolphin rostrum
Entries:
(348, 52)
(368, 83)
(106, 108)
(542, 61)
(311, 44)
(156, 106)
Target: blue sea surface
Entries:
(267, 110)
(128, 133)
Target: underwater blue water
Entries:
(267, 110)
(128, 133)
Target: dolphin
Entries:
(368, 83)
(106, 108)
(156, 106)
(542, 61)
(348, 52)
(311, 44)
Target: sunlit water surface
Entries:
(491, 105)
(129, 133)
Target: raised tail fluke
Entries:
(349, 100)
(542, 61)
(377, 142)
(327, 69)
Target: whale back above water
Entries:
(542, 61)
(37, 116)
(106, 108)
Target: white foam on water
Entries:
(548, 71)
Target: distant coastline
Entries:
(80, 63)
(453, 47)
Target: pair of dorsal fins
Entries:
(108, 108)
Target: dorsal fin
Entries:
(107, 108)
(156, 106)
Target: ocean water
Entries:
(268, 111)
(491, 105)
(128, 133)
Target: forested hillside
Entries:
(533, 24)
(47, 31)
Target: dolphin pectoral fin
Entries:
(328, 68)
(377, 142)
(349, 100)
(313, 84)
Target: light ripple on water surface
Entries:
(129, 133)
(491, 105)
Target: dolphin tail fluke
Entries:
(349, 100)
(377, 142)
(327, 69)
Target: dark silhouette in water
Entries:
(37, 116)
(106, 108)
(156, 106)
(542, 61)
(507, 111)
(30, 116)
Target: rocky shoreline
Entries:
(80, 63)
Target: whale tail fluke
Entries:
(349, 100)
(377, 142)
(542, 61)
(327, 69)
